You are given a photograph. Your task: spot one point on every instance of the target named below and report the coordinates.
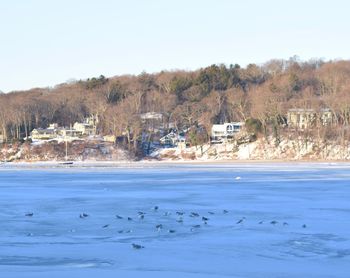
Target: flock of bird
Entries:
(180, 219)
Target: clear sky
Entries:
(46, 42)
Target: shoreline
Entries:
(164, 163)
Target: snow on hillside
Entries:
(261, 149)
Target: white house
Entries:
(84, 128)
(43, 134)
(172, 139)
(151, 116)
(225, 130)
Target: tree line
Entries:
(259, 95)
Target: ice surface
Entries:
(56, 242)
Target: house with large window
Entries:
(225, 130)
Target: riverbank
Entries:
(169, 164)
(260, 151)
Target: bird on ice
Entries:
(180, 220)
(137, 246)
(240, 221)
(155, 208)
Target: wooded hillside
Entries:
(215, 94)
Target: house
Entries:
(84, 128)
(88, 127)
(225, 130)
(173, 139)
(151, 116)
(306, 118)
(70, 132)
(43, 134)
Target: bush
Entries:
(253, 126)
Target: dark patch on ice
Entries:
(314, 245)
(42, 261)
(342, 253)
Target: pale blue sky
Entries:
(45, 42)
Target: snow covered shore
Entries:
(262, 150)
(85, 153)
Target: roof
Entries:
(301, 110)
(44, 130)
(151, 116)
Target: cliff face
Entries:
(262, 149)
(53, 151)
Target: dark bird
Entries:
(105, 226)
(210, 212)
(128, 231)
(142, 216)
(225, 211)
(120, 231)
(171, 231)
(205, 218)
(29, 214)
(167, 213)
(180, 220)
(155, 208)
(285, 224)
(129, 219)
(195, 227)
(194, 214)
(137, 246)
(159, 227)
(83, 215)
(304, 226)
(119, 217)
(273, 222)
(180, 213)
(261, 222)
(240, 221)
(141, 213)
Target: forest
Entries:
(259, 95)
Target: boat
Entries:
(66, 163)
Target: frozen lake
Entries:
(265, 220)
